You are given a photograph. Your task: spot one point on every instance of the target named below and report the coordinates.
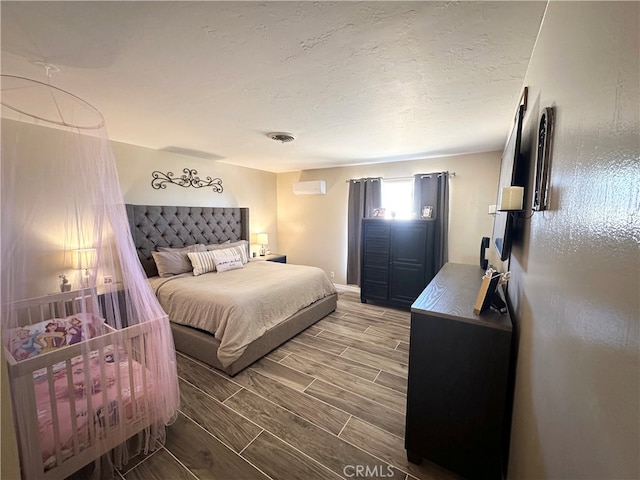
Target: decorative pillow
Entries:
(226, 263)
(242, 245)
(32, 340)
(204, 262)
(174, 261)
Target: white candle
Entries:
(511, 198)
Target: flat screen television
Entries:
(503, 221)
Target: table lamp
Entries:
(263, 239)
(84, 259)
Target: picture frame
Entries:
(487, 291)
(427, 211)
(379, 212)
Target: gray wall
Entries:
(576, 267)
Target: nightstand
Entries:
(271, 257)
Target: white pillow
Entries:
(204, 262)
(224, 264)
(242, 247)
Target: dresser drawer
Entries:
(377, 228)
(378, 260)
(375, 275)
(374, 291)
(375, 244)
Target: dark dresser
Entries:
(397, 260)
(458, 397)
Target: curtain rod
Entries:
(451, 174)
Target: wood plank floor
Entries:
(327, 402)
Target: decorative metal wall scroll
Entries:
(541, 180)
(189, 179)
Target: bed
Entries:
(79, 399)
(200, 324)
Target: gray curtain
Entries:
(365, 195)
(432, 189)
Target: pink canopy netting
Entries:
(64, 230)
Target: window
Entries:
(397, 198)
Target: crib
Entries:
(76, 403)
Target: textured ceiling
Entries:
(356, 82)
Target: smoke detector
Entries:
(283, 137)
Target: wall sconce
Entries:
(511, 199)
(263, 239)
(85, 259)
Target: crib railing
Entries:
(109, 420)
(56, 305)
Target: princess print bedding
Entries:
(86, 393)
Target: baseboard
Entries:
(347, 288)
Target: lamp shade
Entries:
(262, 238)
(84, 258)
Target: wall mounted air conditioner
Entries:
(314, 187)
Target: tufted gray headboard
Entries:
(155, 226)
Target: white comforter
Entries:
(239, 306)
